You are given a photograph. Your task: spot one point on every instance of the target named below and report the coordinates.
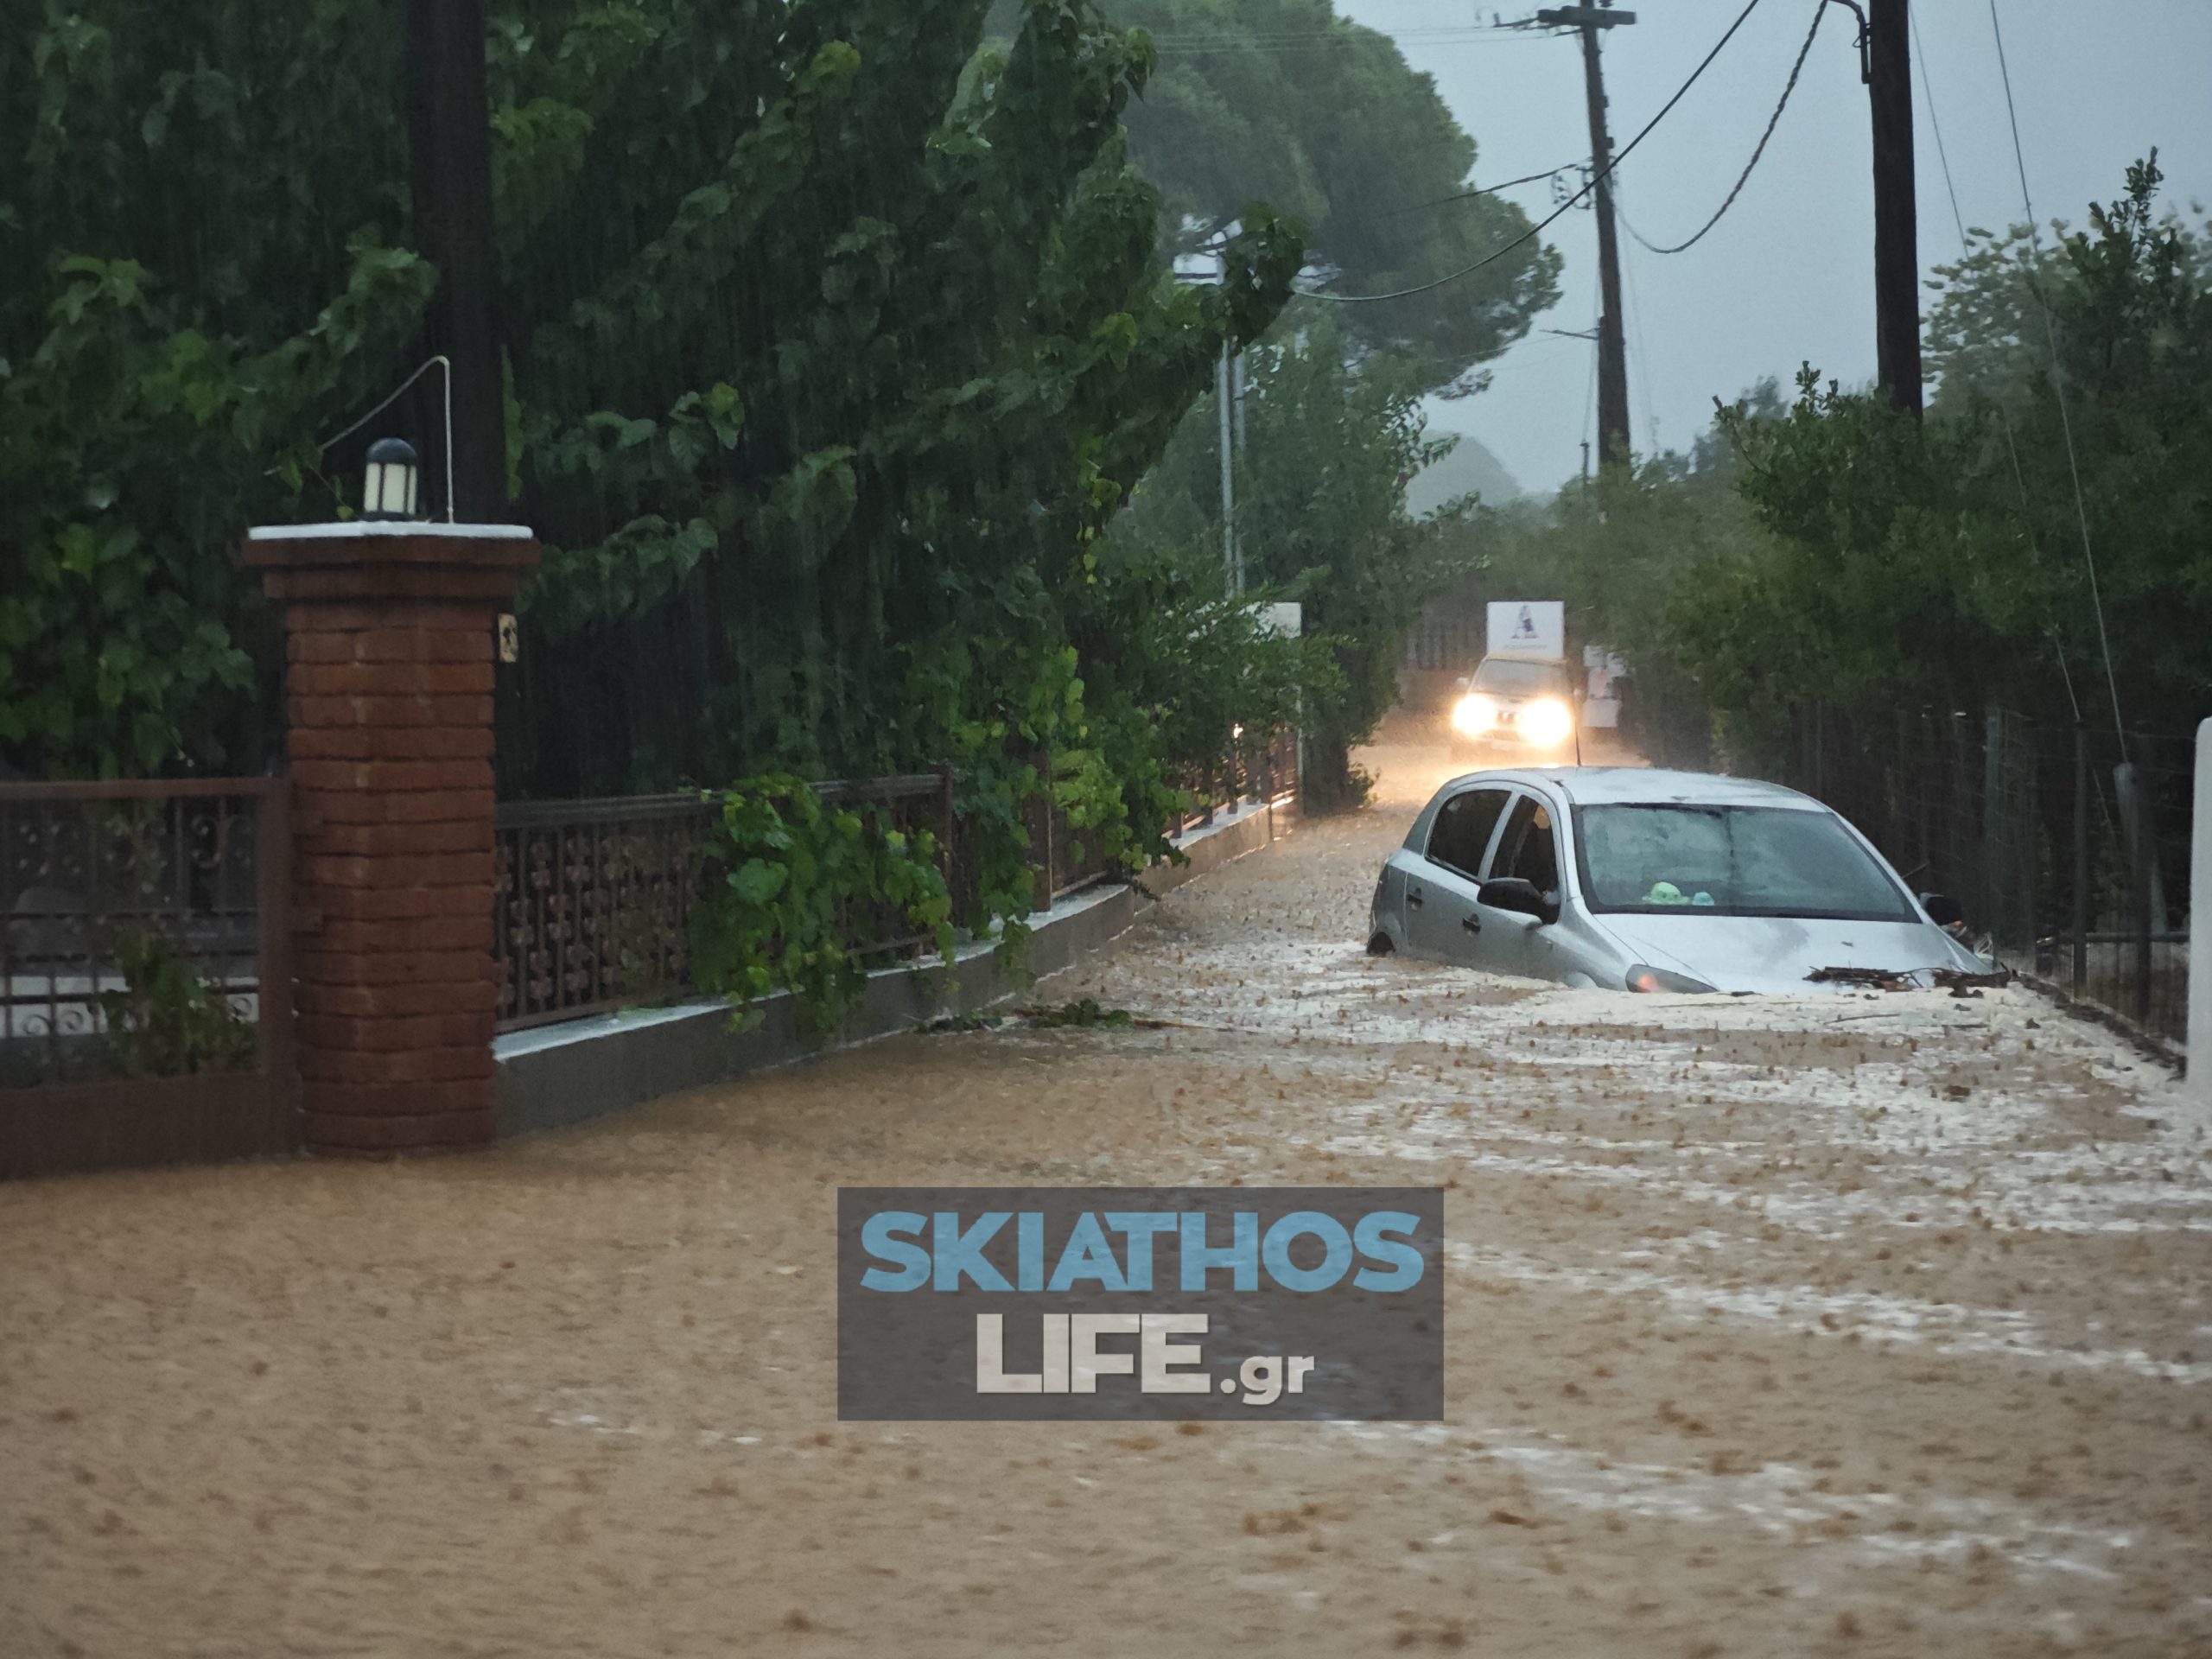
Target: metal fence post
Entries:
(2200, 926)
(2029, 839)
(2135, 824)
(1992, 863)
(2081, 860)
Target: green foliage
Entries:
(835, 336)
(201, 220)
(1083, 1015)
(1284, 102)
(922, 278)
(167, 1021)
(1321, 518)
(1945, 560)
(131, 442)
(832, 342)
(804, 888)
(1833, 549)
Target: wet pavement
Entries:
(1852, 1323)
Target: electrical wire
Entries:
(1590, 391)
(1342, 29)
(1634, 314)
(2058, 385)
(1321, 40)
(1534, 231)
(1745, 177)
(1489, 189)
(2003, 415)
(434, 363)
(1928, 90)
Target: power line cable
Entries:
(1745, 177)
(1489, 189)
(1337, 40)
(2058, 385)
(1928, 88)
(1538, 228)
(2003, 415)
(1349, 32)
(1590, 391)
(1634, 313)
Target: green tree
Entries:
(1946, 560)
(1629, 553)
(1329, 445)
(1284, 102)
(204, 249)
(833, 342)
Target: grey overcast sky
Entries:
(1786, 276)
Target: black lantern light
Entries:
(394, 477)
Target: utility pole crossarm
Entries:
(1584, 17)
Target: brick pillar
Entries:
(388, 691)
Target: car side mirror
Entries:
(1942, 910)
(1517, 895)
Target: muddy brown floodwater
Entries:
(1852, 1325)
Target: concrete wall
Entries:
(581, 1069)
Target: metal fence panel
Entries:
(593, 899)
(2069, 847)
(145, 973)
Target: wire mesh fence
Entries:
(2069, 847)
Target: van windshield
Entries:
(1731, 861)
(1518, 677)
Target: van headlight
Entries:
(1474, 714)
(1641, 978)
(1547, 722)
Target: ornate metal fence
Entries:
(145, 973)
(594, 897)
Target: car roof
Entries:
(1648, 786)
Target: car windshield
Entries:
(1731, 861)
(1516, 677)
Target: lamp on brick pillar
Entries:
(391, 481)
(389, 664)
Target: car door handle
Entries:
(1413, 897)
(1470, 924)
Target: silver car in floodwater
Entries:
(1644, 881)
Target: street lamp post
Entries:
(1204, 270)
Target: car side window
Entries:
(1529, 847)
(1461, 833)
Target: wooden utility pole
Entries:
(1897, 241)
(1613, 350)
(449, 151)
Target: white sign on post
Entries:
(1527, 627)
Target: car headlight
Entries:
(1641, 978)
(1547, 722)
(1474, 714)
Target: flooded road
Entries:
(1850, 1324)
